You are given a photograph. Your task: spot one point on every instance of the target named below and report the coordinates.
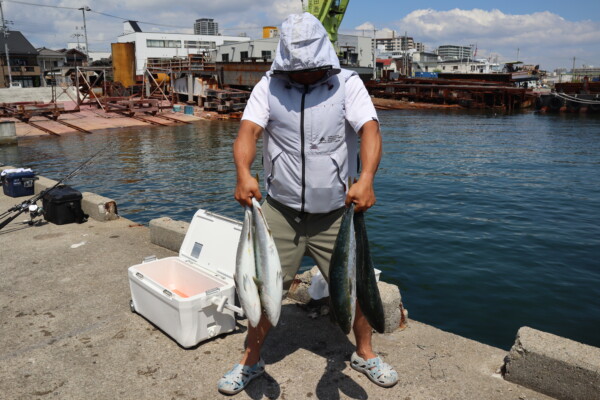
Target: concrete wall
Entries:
(253, 48)
(362, 47)
(43, 94)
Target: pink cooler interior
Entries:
(179, 278)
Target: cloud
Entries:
(535, 36)
(365, 26)
(53, 25)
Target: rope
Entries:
(576, 99)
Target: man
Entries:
(310, 111)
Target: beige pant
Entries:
(312, 235)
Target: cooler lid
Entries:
(211, 242)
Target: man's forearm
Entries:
(370, 150)
(244, 147)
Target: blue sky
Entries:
(549, 33)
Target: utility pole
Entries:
(374, 54)
(405, 45)
(87, 49)
(6, 45)
(77, 36)
(573, 69)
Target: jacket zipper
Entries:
(302, 155)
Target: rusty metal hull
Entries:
(242, 74)
(466, 94)
(123, 59)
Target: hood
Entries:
(303, 45)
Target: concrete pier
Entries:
(8, 133)
(68, 333)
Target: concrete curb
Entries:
(553, 365)
(97, 207)
(168, 233)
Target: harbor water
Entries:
(487, 222)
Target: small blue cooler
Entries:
(18, 182)
(189, 110)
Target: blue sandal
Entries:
(375, 369)
(238, 378)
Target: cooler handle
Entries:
(221, 303)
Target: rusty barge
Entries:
(481, 91)
(572, 97)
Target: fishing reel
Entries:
(34, 212)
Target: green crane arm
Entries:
(330, 13)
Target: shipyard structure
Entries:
(210, 74)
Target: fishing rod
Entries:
(30, 204)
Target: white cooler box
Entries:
(191, 297)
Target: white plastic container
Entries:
(191, 297)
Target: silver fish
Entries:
(367, 291)
(245, 271)
(342, 273)
(268, 266)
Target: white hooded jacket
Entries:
(310, 144)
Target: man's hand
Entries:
(245, 189)
(361, 194)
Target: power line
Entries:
(254, 27)
(96, 12)
(40, 5)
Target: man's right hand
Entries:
(244, 150)
(246, 189)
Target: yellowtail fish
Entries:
(245, 271)
(342, 273)
(367, 291)
(268, 266)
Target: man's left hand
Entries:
(362, 195)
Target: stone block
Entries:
(168, 233)
(8, 133)
(555, 366)
(42, 184)
(299, 289)
(98, 207)
(392, 305)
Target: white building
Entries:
(171, 45)
(252, 49)
(390, 41)
(356, 50)
(425, 62)
(467, 66)
(206, 26)
(454, 52)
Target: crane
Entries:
(330, 13)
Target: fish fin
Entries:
(257, 282)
